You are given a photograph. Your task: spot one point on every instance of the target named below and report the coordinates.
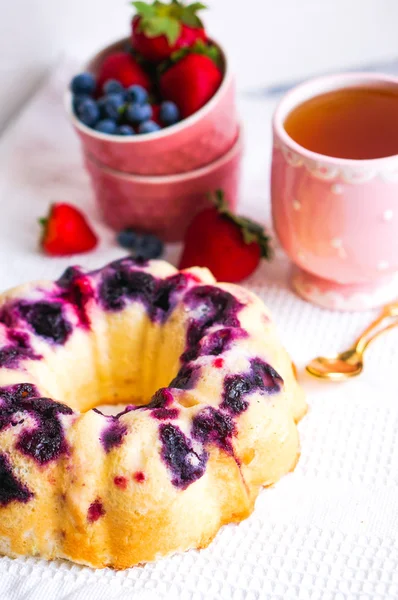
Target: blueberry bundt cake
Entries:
(210, 417)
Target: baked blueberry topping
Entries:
(235, 389)
(209, 306)
(69, 275)
(214, 426)
(215, 343)
(95, 511)
(261, 378)
(77, 290)
(123, 284)
(218, 363)
(139, 477)
(128, 261)
(113, 435)
(185, 464)
(10, 488)
(120, 482)
(265, 378)
(47, 320)
(45, 441)
(166, 296)
(212, 305)
(162, 414)
(186, 377)
(160, 399)
(17, 350)
(160, 405)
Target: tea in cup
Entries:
(334, 189)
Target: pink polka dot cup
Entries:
(337, 219)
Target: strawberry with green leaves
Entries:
(191, 77)
(230, 246)
(66, 231)
(159, 29)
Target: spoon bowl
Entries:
(339, 367)
(350, 362)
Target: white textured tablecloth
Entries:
(327, 531)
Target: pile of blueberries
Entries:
(119, 111)
(144, 246)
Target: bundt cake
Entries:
(212, 405)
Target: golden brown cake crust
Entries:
(212, 400)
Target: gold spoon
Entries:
(350, 363)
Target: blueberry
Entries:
(83, 84)
(112, 86)
(149, 127)
(101, 105)
(88, 112)
(148, 246)
(106, 126)
(137, 113)
(136, 93)
(169, 113)
(125, 130)
(77, 100)
(113, 106)
(127, 238)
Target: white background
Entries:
(268, 41)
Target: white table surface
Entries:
(328, 530)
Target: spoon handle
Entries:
(390, 310)
(375, 329)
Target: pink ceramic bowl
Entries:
(191, 144)
(336, 218)
(163, 205)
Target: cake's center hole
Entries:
(134, 358)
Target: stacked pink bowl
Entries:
(157, 182)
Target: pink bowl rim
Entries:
(179, 177)
(167, 131)
(313, 87)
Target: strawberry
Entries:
(160, 29)
(192, 79)
(156, 113)
(123, 67)
(66, 231)
(230, 246)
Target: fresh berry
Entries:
(192, 80)
(230, 246)
(77, 100)
(127, 238)
(169, 113)
(101, 103)
(122, 67)
(149, 127)
(88, 112)
(106, 126)
(147, 247)
(113, 106)
(66, 231)
(137, 113)
(159, 29)
(84, 83)
(112, 86)
(156, 114)
(125, 130)
(142, 245)
(138, 94)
